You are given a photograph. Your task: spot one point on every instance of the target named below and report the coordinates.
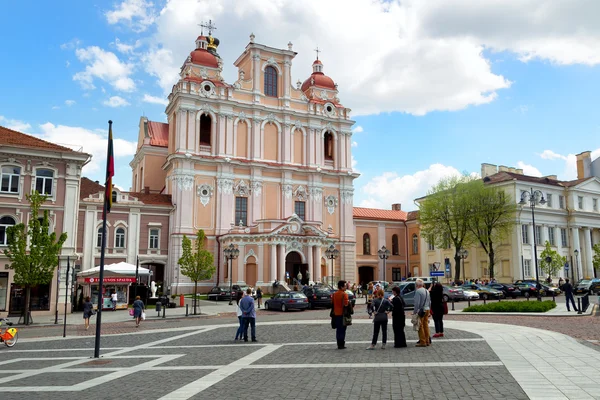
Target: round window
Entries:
(204, 192)
(207, 88)
(329, 109)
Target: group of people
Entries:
(246, 314)
(88, 310)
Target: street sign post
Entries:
(436, 273)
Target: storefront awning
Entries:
(119, 269)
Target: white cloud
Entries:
(67, 63)
(115, 101)
(568, 169)
(528, 169)
(69, 103)
(137, 14)
(15, 124)
(126, 48)
(384, 190)
(155, 100)
(354, 144)
(106, 66)
(550, 155)
(357, 129)
(55, 107)
(70, 45)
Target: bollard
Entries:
(553, 297)
(579, 306)
(469, 302)
(453, 304)
(187, 310)
(484, 301)
(164, 310)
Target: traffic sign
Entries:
(447, 267)
(436, 273)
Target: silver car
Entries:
(453, 293)
(407, 292)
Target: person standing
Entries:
(370, 300)
(299, 278)
(248, 315)
(437, 308)
(113, 299)
(138, 309)
(398, 318)
(422, 306)
(339, 301)
(88, 311)
(259, 296)
(568, 289)
(238, 312)
(381, 307)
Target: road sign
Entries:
(447, 267)
(566, 266)
(436, 273)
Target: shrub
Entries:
(513, 306)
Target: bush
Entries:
(513, 306)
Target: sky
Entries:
(436, 87)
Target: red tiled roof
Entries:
(378, 214)
(89, 187)
(9, 137)
(159, 134)
(505, 176)
(575, 182)
(412, 215)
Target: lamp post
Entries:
(576, 264)
(534, 197)
(231, 252)
(463, 253)
(384, 254)
(548, 260)
(332, 253)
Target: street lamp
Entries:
(548, 260)
(332, 253)
(384, 254)
(463, 253)
(534, 197)
(576, 264)
(231, 252)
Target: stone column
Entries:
(260, 264)
(281, 267)
(309, 261)
(544, 234)
(588, 253)
(241, 263)
(531, 239)
(273, 265)
(578, 259)
(317, 263)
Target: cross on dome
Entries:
(210, 26)
(318, 51)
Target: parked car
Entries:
(485, 292)
(583, 286)
(509, 289)
(238, 288)
(384, 284)
(550, 289)
(221, 293)
(287, 301)
(528, 288)
(318, 296)
(407, 291)
(453, 293)
(470, 295)
(595, 286)
(351, 297)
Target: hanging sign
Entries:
(111, 280)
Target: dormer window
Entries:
(328, 146)
(270, 82)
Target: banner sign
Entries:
(111, 280)
(436, 273)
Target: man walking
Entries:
(340, 301)
(422, 303)
(248, 315)
(568, 289)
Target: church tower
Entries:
(261, 164)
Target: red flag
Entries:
(110, 169)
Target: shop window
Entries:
(366, 244)
(5, 222)
(39, 298)
(154, 238)
(270, 81)
(328, 146)
(44, 181)
(241, 211)
(300, 209)
(395, 250)
(9, 179)
(120, 238)
(205, 127)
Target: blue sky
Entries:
(433, 90)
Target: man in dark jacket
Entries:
(568, 289)
(398, 318)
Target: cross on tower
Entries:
(210, 26)
(318, 51)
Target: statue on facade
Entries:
(153, 289)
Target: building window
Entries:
(563, 237)
(595, 204)
(395, 250)
(241, 211)
(9, 180)
(430, 243)
(39, 298)
(154, 238)
(415, 244)
(328, 146)
(205, 127)
(396, 275)
(580, 202)
(270, 81)
(525, 234)
(538, 235)
(549, 200)
(551, 236)
(5, 222)
(99, 239)
(120, 238)
(300, 209)
(561, 202)
(526, 268)
(366, 244)
(44, 179)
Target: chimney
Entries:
(555, 177)
(488, 169)
(97, 182)
(147, 189)
(584, 164)
(520, 171)
(503, 168)
(397, 207)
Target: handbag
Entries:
(380, 317)
(131, 312)
(445, 308)
(143, 316)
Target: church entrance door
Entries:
(366, 274)
(293, 265)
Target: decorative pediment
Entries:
(241, 188)
(300, 193)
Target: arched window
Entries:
(270, 81)
(415, 244)
(120, 238)
(9, 179)
(99, 239)
(44, 179)
(5, 222)
(395, 249)
(205, 127)
(114, 196)
(366, 244)
(328, 146)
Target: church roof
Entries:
(378, 214)
(159, 134)
(89, 187)
(9, 137)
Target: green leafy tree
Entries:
(556, 261)
(33, 251)
(444, 215)
(492, 217)
(596, 259)
(196, 262)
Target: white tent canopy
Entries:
(121, 268)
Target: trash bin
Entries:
(181, 300)
(158, 306)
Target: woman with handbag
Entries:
(138, 310)
(437, 309)
(381, 307)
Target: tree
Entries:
(444, 215)
(33, 250)
(492, 217)
(196, 262)
(596, 259)
(556, 261)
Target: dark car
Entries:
(287, 301)
(221, 293)
(528, 289)
(595, 286)
(583, 286)
(549, 290)
(508, 289)
(318, 296)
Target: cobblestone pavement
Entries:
(292, 360)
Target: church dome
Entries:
(318, 78)
(205, 53)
